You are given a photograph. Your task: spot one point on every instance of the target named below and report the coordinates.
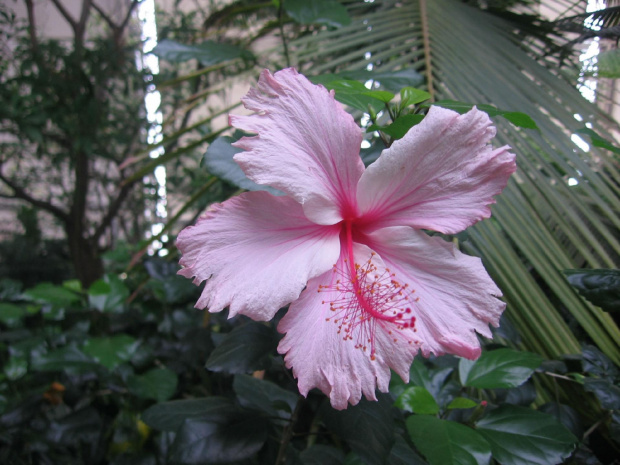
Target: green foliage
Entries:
(207, 53)
(327, 12)
(601, 287)
(218, 160)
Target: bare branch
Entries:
(112, 211)
(20, 193)
(65, 14)
(106, 18)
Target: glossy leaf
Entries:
(399, 127)
(108, 294)
(207, 53)
(356, 95)
(169, 416)
(219, 161)
(158, 384)
(600, 287)
(368, 428)
(67, 358)
(111, 351)
(520, 435)
(445, 442)
(228, 435)
(462, 402)
(246, 348)
(501, 368)
(264, 395)
(411, 96)
(55, 295)
(417, 399)
(328, 12)
(597, 363)
(606, 392)
(11, 314)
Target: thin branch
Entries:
(20, 193)
(112, 211)
(106, 18)
(128, 15)
(65, 14)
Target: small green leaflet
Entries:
(417, 399)
(598, 141)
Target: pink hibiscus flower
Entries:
(367, 288)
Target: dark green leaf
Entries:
(607, 393)
(356, 95)
(417, 399)
(322, 455)
(597, 363)
(15, 368)
(82, 426)
(55, 295)
(174, 288)
(264, 395)
(67, 358)
(226, 436)
(158, 384)
(246, 348)
(566, 415)
(367, 428)
(446, 443)
(403, 454)
(598, 141)
(219, 161)
(601, 287)
(169, 416)
(11, 314)
(328, 12)
(207, 53)
(502, 368)
(108, 294)
(519, 435)
(399, 127)
(111, 351)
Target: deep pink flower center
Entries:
(367, 296)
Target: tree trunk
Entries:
(85, 257)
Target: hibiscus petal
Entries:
(441, 176)
(455, 297)
(257, 252)
(307, 145)
(316, 348)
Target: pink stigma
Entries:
(366, 296)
